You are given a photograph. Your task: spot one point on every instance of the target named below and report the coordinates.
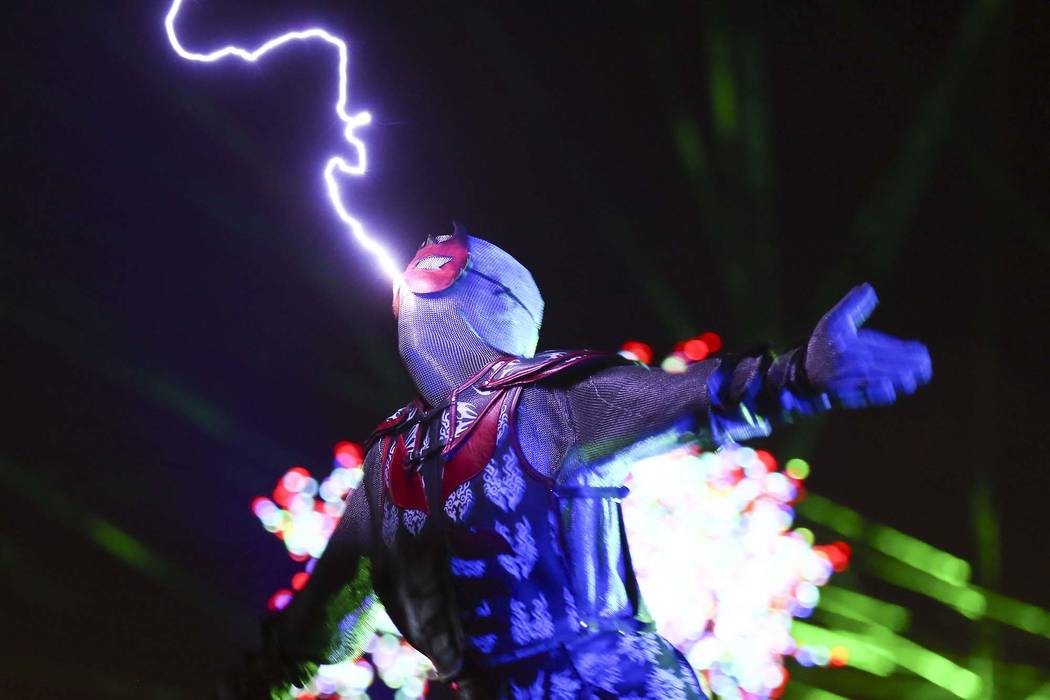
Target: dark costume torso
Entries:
(473, 565)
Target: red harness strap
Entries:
(469, 452)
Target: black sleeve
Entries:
(733, 397)
(331, 618)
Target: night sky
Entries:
(182, 317)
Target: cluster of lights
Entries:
(685, 352)
(388, 658)
(303, 513)
(721, 569)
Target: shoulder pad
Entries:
(393, 423)
(529, 370)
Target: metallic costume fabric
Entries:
(488, 521)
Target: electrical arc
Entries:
(336, 165)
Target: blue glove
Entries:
(840, 365)
(857, 367)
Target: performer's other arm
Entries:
(329, 620)
(740, 396)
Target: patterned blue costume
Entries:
(488, 521)
(505, 526)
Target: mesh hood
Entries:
(500, 300)
(437, 347)
(493, 309)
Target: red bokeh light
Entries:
(279, 600)
(767, 459)
(281, 495)
(348, 454)
(257, 502)
(712, 340)
(299, 580)
(779, 690)
(695, 349)
(838, 553)
(641, 350)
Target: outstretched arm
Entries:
(740, 396)
(329, 620)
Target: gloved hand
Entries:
(858, 367)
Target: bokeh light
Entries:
(638, 351)
(303, 514)
(722, 572)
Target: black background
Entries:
(182, 316)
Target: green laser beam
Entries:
(992, 178)
(1041, 693)
(879, 651)
(863, 653)
(65, 340)
(974, 602)
(863, 608)
(893, 543)
(964, 599)
(122, 546)
(722, 84)
(480, 25)
(884, 219)
(937, 563)
(919, 567)
(1023, 616)
(802, 691)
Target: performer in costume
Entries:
(488, 520)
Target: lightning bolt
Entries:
(336, 164)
